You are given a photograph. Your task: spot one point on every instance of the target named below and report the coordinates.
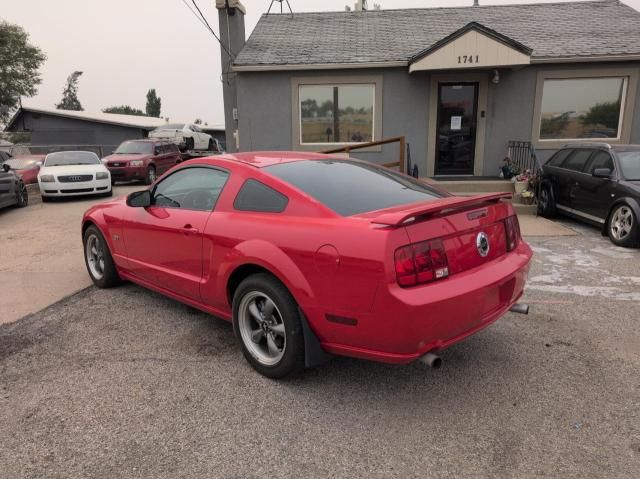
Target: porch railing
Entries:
(523, 155)
(401, 163)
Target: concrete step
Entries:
(522, 210)
(474, 186)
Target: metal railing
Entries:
(400, 164)
(523, 155)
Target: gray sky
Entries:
(125, 47)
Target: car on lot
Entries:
(73, 173)
(142, 160)
(310, 255)
(598, 183)
(187, 136)
(13, 191)
(26, 166)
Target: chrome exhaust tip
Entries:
(520, 308)
(431, 360)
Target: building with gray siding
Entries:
(458, 83)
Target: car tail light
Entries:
(512, 229)
(421, 262)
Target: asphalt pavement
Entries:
(126, 383)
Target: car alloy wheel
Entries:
(261, 328)
(94, 251)
(621, 224)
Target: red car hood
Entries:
(126, 158)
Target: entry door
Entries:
(457, 125)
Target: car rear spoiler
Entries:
(396, 218)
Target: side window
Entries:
(256, 196)
(577, 161)
(601, 159)
(558, 158)
(194, 188)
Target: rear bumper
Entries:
(407, 323)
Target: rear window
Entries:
(352, 187)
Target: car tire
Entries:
(98, 260)
(210, 146)
(272, 343)
(622, 226)
(46, 199)
(189, 144)
(22, 196)
(546, 203)
(150, 176)
(108, 194)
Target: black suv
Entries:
(597, 183)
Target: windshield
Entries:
(22, 163)
(352, 187)
(62, 158)
(171, 126)
(630, 164)
(135, 148)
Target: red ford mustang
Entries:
(310, 256)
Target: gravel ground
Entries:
(126, 383)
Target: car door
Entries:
(164, 158)
(567, 176)
(164, 241)
(593, 196)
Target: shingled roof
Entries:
(605, 28)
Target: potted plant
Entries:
(527, 197)
(521, 182)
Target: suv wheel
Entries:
(150, 177)
(623, 226)
(546, 205)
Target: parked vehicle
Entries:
(186, 136)
(142, 160)
(310, 255)
(13, 191)
(73, 173)
(597, 183)
(15, 150)
(27, 167)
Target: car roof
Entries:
(260, 159)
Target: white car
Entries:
(73, 173)
(186, 136)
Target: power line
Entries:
(201, 18)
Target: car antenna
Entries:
(281, 6)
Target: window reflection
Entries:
(336, 113)
(581, 108)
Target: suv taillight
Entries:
(421, 262)
(512, 229)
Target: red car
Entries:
(27, 167)
(310, 255)
(142, 160)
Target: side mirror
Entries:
(139, 199)
(601, 173)
(5, 167)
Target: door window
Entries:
(456, 141)
(559, 157)
(194, 188)
(256, 196)
(577, 161)
(600, 159)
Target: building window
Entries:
(582, 108)
(336, 113)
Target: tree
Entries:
(197, 121)
(70, 94)
(607, 114)
(123, 110)
(154, 103)
(19, 65)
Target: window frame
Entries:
(335, 80)
(627, 103)
(178, 170)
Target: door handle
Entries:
(190, 230)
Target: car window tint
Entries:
(600, 159)
(558, 158)
(256, 196)
(577, 161)
(193, 188)
(353, 187)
